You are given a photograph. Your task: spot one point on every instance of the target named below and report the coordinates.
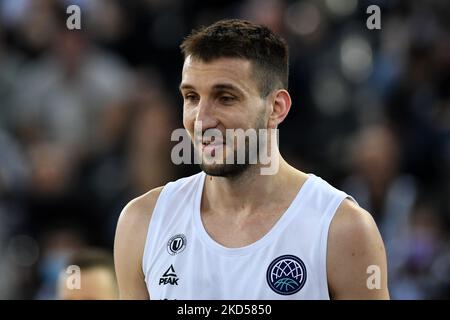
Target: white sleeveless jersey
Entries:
(181, 260)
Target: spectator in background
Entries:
(376, 182)
(419, 270)
(57, 243)
(65, 94)
(379, 186)
(98, 279)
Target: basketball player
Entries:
(231, 232)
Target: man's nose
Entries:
(206, 114)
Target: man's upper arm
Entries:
(356, 258)
(129, 243)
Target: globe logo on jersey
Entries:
(176, 244)
(286, 275)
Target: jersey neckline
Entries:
(276, 230)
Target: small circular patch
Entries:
(176, 244)
(286, 275)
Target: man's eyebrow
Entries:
(227, 86)
(185, 86)
(218, 86)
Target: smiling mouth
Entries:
(211, 145)
(206, 141)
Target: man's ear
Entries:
(280, 108)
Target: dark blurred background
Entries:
(86, 118)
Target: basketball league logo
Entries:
(286, 275)
(176, 244)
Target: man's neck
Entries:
(251, 191)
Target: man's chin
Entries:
(224, 170)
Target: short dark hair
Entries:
(90, 258)
(235, 38)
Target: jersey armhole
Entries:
(152, 226)
(326, 223)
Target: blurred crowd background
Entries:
(86, 118)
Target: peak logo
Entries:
(169, 277)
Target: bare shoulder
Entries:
(134, 220)
(129, 243)
(350, 223)
(355, 247)
(140, 209)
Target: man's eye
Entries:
(227, 99)
(190, 97)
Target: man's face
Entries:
(96, 284)
(221, 94)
